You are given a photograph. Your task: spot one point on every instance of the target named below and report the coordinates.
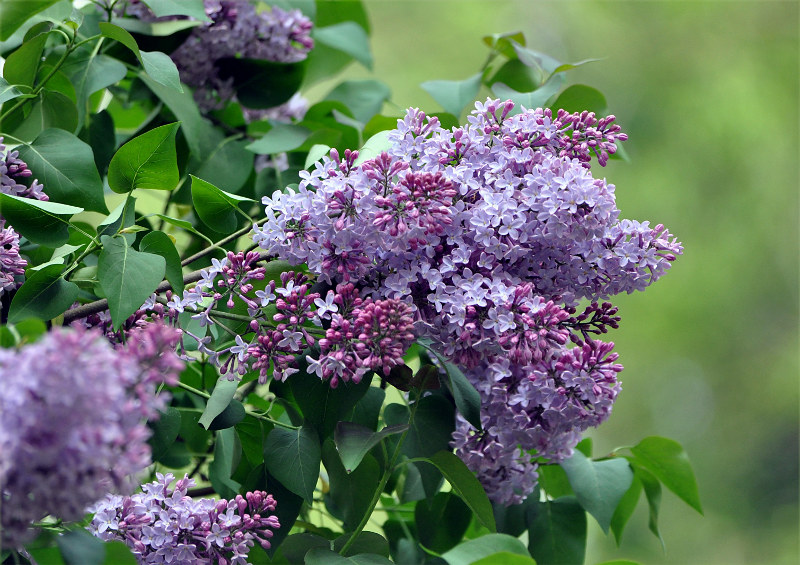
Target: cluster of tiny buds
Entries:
(595, 319)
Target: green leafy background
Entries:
(708, 92)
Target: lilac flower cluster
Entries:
(492, 233)
(12, 170)
(162, 524)
(11, 264)
(235, 29)
(286, 318)
(72, 420)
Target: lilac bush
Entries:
(163, 524)
(72, 419)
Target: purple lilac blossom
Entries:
(162, 524)
(72, 420)
(11, 264)
(235, 29)
(492, 233)
(12, 171)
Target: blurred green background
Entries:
(708, 92)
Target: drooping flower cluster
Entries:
(286, 318)
(235, 29)
(492, 233)
(12, 170)
(164, 525)
(72, 418)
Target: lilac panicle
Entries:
(492, 233)
(162, 524)
(72, 421)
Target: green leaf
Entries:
(44, 295)
(465, 485)
(454, 95)
(598, 485)
(165, 431)
(91, 72)
(430, 433)
(123, 216)
(79, 547)
(374, 146)
(127, 277)
(365, 542)
(554, 481)
(200, 135)
(8, 91)
(666, 459)
(191, 8)
(101, 138)
(354, 441)
(65, 166)
(226, 457)
(322, 556)
(348, 37)
(118, 553)
(281, 138)
(580, 97)
(51, 109)
(221, 397)
(569, 66)
(557, 531)
(159, 243)
(156, 64)
(14, 13)
(625, 509)
(293, 457)
(364, 98)
(484, 546)
(183, 224)
(260, 83)
(652, 491)
(146, 161)
(323, 406)
(217, 209)
(251, 432)
(351, 493)
(519, 76)
(530, 100)
(467, 399)
(441, 522)
(45, 223)
(505, 558)
(317, 152)
(232, 415)
(503, 43)
(229, 164)
(21, 66)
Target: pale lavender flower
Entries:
(164, 525)
(72, 421)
